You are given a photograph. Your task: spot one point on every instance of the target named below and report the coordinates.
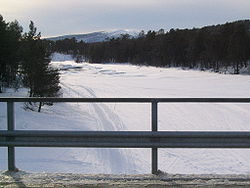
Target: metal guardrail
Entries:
(154, 139)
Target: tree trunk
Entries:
(30, 96)
(236, 68)
(40, 106)
(217, 66)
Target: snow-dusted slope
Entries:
(97, 36)
(110, 80)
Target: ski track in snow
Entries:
(107, 120)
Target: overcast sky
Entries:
(57, 17)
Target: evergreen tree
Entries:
(238, 47)
(39, 76)
(3, 26)
(10, 35)
(14, 34)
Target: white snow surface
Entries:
(61, 57)
(125, 80)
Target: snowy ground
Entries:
(109, 80)
(24, 179)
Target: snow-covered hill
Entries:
(97, 36)
(124, 80)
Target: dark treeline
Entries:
(212, 47)
(24, 61)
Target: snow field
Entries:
(124, 80)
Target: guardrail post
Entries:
(11, 127)
(154, 129)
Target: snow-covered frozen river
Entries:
(124, 80)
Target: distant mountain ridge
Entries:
(96, 36)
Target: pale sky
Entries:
(58, 17)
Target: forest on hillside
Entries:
(212, 47)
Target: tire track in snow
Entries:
(115, 159)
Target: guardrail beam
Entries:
(126, 139)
